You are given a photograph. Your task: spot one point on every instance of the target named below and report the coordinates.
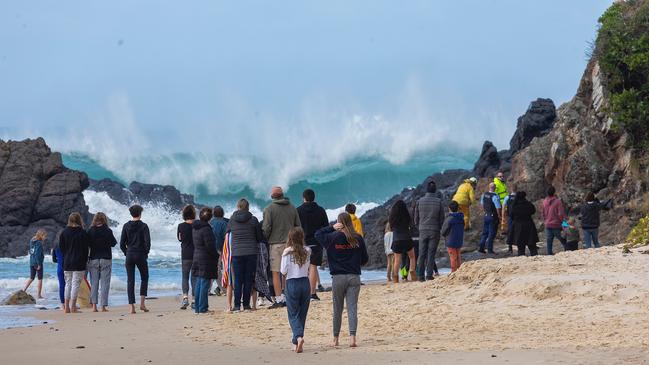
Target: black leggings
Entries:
(139, 260)
(531, 246)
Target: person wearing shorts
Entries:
(279, 217)
(312, 217)
(36, 259)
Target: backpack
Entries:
(488, 204)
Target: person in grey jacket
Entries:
(246, 236)
(429, 218)
(279, 217)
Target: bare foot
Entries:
(104, 309)
(94, 308)
(75, 311)
(66, 310)
(41, 297)
(132, 309)
(300, 345)
(352, 341)
(294, 349)
(144, 309)
(335, 342)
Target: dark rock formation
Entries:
(139, 193)
(19, 297)
(537, 121)
(36, 192)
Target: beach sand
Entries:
(584, 307)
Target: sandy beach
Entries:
(584, 307)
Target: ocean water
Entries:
(367, 183)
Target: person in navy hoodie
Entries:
(346, 253)
(36, 258)
(453, 231)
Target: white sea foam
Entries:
(163, 222)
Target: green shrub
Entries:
(622, 49)
(639, 235)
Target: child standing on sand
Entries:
(36, 258)
(295, 268)
(453, 230)
(387, 242)
(572, 235)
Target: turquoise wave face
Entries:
(360, 180)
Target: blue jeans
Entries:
(591, 236)
(200, 296)
(550, 235)
(298, 297)
(61, 276)
(489, 233)
(244, 268)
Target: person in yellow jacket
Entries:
(501, 191)
(351, 210)
(465, 196)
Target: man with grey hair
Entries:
(279, 217)
(490, 202)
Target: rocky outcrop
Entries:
(36, 192)
(572, 148)
(581, 154)
(139, 193)
(537, 122)
(19, 297)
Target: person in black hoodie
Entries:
(522, 230)
(402, 243)
(74, 243)
(101, 260)
(186, 240)
(246, 234)
(313, 217)
(206, 259)
(589, 215)
(135, 243)
(346, 253)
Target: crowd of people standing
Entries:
(277, 259)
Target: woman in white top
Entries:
(295, 267)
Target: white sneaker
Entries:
(261, 302)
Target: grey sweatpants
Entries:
(100, 271)
(72, 283)
(428, 243)
(345, 288)
(187, 277)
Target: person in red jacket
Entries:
(553, 215)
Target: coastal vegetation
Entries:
(623, 53)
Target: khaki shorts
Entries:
(276, 251)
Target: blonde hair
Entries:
(348, 229)
(40, 235)
(99, 219)
(387, 227)
(296, 243)
(74, 220)
(243, 204)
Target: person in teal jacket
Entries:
(36, 258)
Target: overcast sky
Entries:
(177, 73)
